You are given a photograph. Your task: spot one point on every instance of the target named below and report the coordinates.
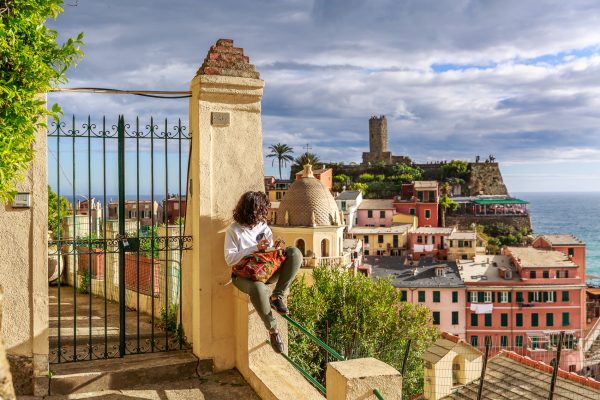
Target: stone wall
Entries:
(465, 221)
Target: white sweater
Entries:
(241, 241)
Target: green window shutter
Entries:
(488, 319)
(545, 296)
(519, 341)
(504, 341)
(493, 297)
(420, 196)
(503, 319)
(474, 321)
(519, 297)
(428, 213)
(480, 297)
(436, 317)
(549, 319)
(455, 297)
(565, 319)
(436, 296)
(530, 297)
(565, 295)
(546, 274)
(474, 340)
(454, 317)
(510, 297)
(431, 196)
(404, 295)
(519, 319)
(555, 298)
(534, 319)
(421, 296)
(369, 213)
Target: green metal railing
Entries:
(377, 394)
(319, 343)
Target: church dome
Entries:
(308, 202)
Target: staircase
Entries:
(123, 373)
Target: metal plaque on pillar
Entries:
(219, 119)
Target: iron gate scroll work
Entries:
(115, 265)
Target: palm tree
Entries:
(281, 153)
(446, 203)
(306, 158)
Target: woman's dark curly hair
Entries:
(252, 208)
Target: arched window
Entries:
(301, 246)
(458, 371)
(324, 248)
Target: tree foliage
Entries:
(53, 207)
(407, 173)
(365, 318)
(306, 158)
(455, 169)
(31, 62)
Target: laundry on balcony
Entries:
(485, 308)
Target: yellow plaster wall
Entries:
(23, 266)
(225, 162)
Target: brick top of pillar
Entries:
(224, 59)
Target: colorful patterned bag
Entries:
(259, 266)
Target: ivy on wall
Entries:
(31, 63)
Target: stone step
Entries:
(120, 373)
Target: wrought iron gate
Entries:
(118, 237)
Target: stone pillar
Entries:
(6, 388)
(356, 379)
(226, 160)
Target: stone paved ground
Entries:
(227, 385)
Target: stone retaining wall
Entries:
(465, 221)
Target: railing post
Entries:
(121, 216)
(405, 356)
(556, 364)
(488, 344)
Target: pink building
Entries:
(420, 198)
(433, 284)
(521, 300)
(428, 242)
(375, 213)
(573, 247)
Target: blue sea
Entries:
(576, 213)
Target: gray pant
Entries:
(259, 292)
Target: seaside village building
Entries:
(308, 218)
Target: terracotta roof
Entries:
(463, 235)
(512, 376)
(371, 204)
(226, 60)
(431, 230)
(530, 257)
(308, 201)
(441, 347)
(348, 195)
(426, 184)
(563, 240)
(362, 230)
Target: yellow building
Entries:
(383, 241)
(464, 245)
(278, 190)
(308, 218)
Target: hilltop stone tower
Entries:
(378, 144)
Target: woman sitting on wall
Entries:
(250, 234)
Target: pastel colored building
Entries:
(522, 299)
(325, 175)
(420, 198)
(375, 213)
(382, 241)
(348, 202)
(147, 212)
(464, 245)
(278, 189)
(570, 245)
(433, 284)
(429, 242)
(176, 207)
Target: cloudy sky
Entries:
(516, 79)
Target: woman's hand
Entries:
(262, 245)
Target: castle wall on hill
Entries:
(465, 221)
